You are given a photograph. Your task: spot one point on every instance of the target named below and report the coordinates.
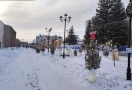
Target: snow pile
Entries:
(7, 56)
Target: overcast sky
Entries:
(30, 18)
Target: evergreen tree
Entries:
(92, 59)
(52, 47)
(71, 39)
(95, 26)
(102, 16)
(87, 33)
(118, 29)
(43, 46)
(110, 21)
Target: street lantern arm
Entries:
(46, 29)
(69, 18)
(50, 29)
(61, 18)
(65, 15)
(67, 31)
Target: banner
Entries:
(75, 47)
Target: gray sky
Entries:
(30, 18)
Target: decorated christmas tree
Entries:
(52, 47)
(43, 49)
(92, 59)
(43, 46)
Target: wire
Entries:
(84, 11)
(78, 14)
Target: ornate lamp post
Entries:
(129, 14)
(66, 18)
(48, 36)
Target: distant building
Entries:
(1, 33)
(18, 43)
(44, 39)
(24, 44)
(9, 36)
(40, 38)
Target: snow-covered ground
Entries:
(24, 69)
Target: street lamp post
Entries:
(129, 14)
(48, 36)
(66, 18)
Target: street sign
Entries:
(128, 50)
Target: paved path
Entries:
(32, 71)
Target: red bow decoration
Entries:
(92, 35)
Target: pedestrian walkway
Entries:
(33, 71)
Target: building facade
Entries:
(1, 33)
(40, 38)
(24, 44)
(9, 36)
